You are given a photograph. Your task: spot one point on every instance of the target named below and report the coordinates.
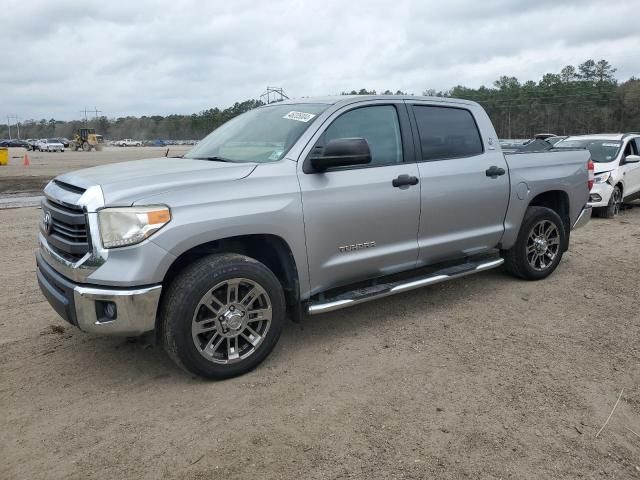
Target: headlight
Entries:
(120, 227)
(601, 177)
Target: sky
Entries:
(156, 58)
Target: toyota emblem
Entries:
(47, 223)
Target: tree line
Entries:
(579, 99)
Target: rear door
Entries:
(358, 225)
(464, 178)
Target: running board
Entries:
(375, 292)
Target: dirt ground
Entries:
(45, 165)
(483, 377)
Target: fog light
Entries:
(595, 198)
(106, 311)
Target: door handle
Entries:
(494, 172)
(403, 180)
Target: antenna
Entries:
(273, 94)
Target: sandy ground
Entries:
(45, 165)
(483, 377)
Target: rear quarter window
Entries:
(447, 132)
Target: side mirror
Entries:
(342, 152)
(632, 159)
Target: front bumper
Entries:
(88, 307)
(600, 194)
(583, 218)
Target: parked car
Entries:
(617, 169)
(49, 145)
(127, 142)
(64, 141)
(16, 143)
(297, 207)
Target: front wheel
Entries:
(614, 206)
(222, 316)
(539, 246)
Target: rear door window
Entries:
(447, 132)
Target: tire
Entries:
(233, 340)
(615, 204)
(86, 147)
(539, 247)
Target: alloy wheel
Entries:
(617, 201)
(543, 245)
(231, 320)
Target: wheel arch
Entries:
(271, 250)
(620, 183)
(558, 201)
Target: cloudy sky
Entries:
(143, 58)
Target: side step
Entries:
(375, 292)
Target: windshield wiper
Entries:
(213, 159)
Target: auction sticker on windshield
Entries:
(299, 116)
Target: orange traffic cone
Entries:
(26, 161)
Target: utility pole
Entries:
(17, 124)
(85, 115)
(95, 109)
(9, 125)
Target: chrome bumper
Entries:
(583, 218)
(86, 307)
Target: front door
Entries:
(359, 225)
(465, 184)
(631, 171)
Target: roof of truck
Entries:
(346, 99)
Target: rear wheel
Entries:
(539, 246)
(222, 316)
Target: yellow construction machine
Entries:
(86, 139)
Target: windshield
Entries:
(261, 135)
(554, 140)
(602, 151)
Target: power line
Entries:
(273, 94)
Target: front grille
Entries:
(68, 233)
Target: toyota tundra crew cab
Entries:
(300, 207)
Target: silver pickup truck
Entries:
(300, 207)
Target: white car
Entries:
(49, 145)
(127, 142)
(616, 159)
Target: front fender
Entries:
(267, 202)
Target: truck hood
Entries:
(124, 183)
